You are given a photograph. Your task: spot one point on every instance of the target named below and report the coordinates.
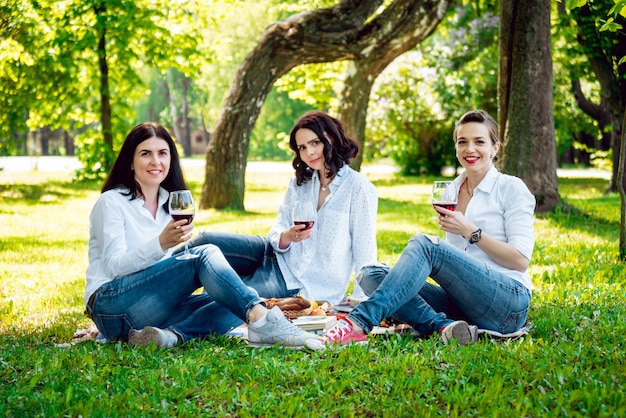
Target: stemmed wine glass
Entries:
(182, 206)
(444, 195)
(304, 214)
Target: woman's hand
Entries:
(454, 222)
(296, 233)
(502, 253)
(175, 233)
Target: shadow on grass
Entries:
(590, 219)
(51, 192)
(33, 245)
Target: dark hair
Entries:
(121, 174)
(339, 149)
(479, 116)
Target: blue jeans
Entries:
(253, 258)
(163, 296)
(465, 289)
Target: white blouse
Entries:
(504, 208)
(343, 238)
(123, 237)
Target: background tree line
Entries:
(89, 70)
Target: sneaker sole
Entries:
(145, 337)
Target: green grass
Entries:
(572, 364)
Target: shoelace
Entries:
(337, 332)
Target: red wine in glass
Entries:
(181, 215)
(182, 206)
(446, 205)
(308, 224)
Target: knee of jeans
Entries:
(371, 275)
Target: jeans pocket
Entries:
(513, 322)
(114, 327)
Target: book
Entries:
(315, 323)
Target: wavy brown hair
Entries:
(339, 148)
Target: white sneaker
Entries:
(148, 335)
(278, 330)
(461, 332)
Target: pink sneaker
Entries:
(342, 333)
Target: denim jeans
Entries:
(163, 296)
(465, 289)
(253, 258)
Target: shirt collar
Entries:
(486, 184)
(340, 177)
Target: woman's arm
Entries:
(112, 227)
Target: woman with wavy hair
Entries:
(317, 261)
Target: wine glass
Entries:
(444, 195)
(304, 214)
(182, 206)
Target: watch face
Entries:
(475, 237)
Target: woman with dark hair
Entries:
(481, 271)
(315, 261)
(135, 290)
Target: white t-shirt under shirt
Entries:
(343, 238)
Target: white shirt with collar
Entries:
(503, 207)
(123, 237)
(343, 238)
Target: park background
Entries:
(174, 62)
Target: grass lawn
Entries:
(572, 364)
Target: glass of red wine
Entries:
(304, 214)
(444, 195)
(182, 206)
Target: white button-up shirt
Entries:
(342, 240)
(504, 208)
(123, 237)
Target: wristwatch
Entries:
(475, 237)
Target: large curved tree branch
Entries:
(347, 31)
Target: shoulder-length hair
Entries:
(121, 174)
(339, 148)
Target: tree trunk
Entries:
(347, 31)
(525, 99)
(184, 110)
(621, 173)
(418, 23)
(610, 75)
(44, 140)
(105, 93)
(68, 141)
(171, 87)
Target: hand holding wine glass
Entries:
(182, 206)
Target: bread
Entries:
(293, 307)
(297, 303)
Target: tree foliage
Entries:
(351, 30)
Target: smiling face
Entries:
(475, 149)
(151, 163)
(310, 149)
